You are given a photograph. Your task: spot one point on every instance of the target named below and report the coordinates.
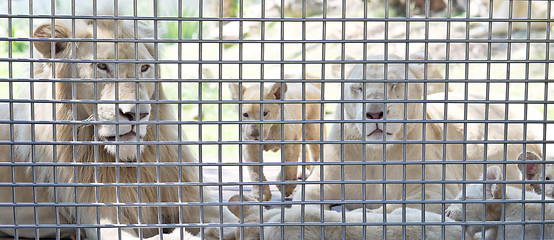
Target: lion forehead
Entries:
(372, 90)
(253, 93)
(125, 49)
(253, 109)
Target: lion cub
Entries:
(313, 215)
(260, 130)
(533, 171)
(508, 212)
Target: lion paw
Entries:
(453, 212)
(377, 210)
(256, 193)
(289, 189)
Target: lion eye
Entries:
(358, 88)
(245, 115)
(102, 66)
(265, 114)
(144, 68)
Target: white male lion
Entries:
(393, 127)
(117, 127)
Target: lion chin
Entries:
(125, 153)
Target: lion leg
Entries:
(212, 214)
(312, 192)
(292, 152)
(390, 208)
(312, 133)
(252, 154)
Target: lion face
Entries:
(534, 171)
(127, 116)
(549, 176)
(121, 113)
(259, 112)
(374, 113)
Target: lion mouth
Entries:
(379, 132)
(130, 136)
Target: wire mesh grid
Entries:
(275, 119)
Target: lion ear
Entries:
(45, 47)
(494, 173)
(276, 90)
(532, 169)
(235, 92)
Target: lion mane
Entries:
(91, 185)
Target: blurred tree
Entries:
(227, 5)
(418, 6)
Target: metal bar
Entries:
(288, 44)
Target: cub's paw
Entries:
(289, 189)
(453, 212)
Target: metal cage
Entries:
(275, 119)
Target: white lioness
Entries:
(309, 215)
(118, 127)
(369, 125)
(508, 212)
(272, 131)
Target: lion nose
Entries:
(255, 134)
(374, 115)
(131, 115)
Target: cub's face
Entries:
(257, 113)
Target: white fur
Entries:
(64, 153)
(509, 212)
(311, 214)
(504, 9)
(409, 152)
